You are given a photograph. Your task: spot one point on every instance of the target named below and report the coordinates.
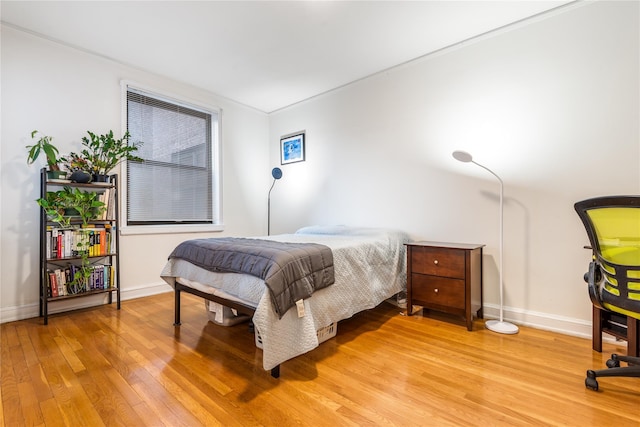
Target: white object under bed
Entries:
(370, 266)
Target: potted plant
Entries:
(44, 145)
(79, 167)
(105, 152)
(57, 205)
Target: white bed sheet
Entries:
(370, 266)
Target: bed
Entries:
(369, 266)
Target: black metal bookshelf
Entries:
(108, 258)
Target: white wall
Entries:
(549, 105)
(64, 92)
(552, 106)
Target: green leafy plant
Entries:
(86, 203)
(75, 162)
(43, 145)
(55, 206)
(82, 274)
(105, 152)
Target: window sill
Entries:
(169, 229)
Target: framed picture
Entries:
(292, 148)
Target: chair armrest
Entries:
(594, 280)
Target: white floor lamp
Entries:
(499, 326)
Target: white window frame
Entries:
(215, 162)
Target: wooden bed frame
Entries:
(238, 306)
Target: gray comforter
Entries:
(291, 271)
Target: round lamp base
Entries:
(501, 327)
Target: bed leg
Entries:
(177, 308)
(275, 372)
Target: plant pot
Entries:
(100, 177)
(80, 176)
(56, 174)
(71, 212)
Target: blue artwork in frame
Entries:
(292, 148)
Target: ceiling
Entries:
(265, 54)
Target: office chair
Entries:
(613, 226)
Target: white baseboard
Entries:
(544, 321)
(10, 314)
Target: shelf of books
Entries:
(77, 258)
(97, 239)
(61, 281)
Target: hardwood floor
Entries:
(133, 368)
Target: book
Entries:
(103, 241)
(99, 241)
(99, 276)
(112, 239)
(48, 243)
(53, 284)
(72, 276)
(59, 249)
(68, 236)
(59, 278)
(106, 198)
(54, 243)
(66, 276)
(112, 274)
(105, 277)
(52, 287)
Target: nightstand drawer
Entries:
(438, 291)
(438, 262)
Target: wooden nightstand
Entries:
(445, 277)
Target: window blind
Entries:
(175, 183)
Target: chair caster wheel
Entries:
(590, 382)
(613, 362)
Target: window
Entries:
(177, 184)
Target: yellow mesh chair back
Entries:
(613, 226)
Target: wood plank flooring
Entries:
(132, 367)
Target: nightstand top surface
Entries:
(449, 245)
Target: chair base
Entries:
(614, 370)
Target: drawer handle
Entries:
(435, 290)
(435, 262)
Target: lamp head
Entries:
(276, 173)
(462, 156)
